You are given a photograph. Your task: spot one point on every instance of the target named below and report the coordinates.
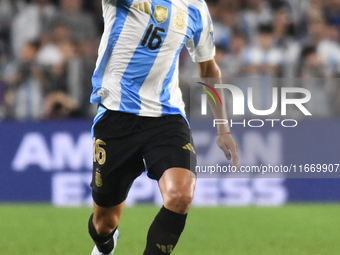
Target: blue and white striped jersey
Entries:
(137, 67)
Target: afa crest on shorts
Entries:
(98, 179)
(161, 14)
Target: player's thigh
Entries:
(118, 159)
(170, 158)
(112, 180)
(170, 146)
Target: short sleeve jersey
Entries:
(137, 66)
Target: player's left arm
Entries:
(202, 50)
(225, 140)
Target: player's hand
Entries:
(230, 148)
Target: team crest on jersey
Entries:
(161, 14)
(179, 19)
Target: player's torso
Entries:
(141, 43)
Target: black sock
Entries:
(104, 243)
(164, 232)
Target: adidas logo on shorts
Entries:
(189, 147)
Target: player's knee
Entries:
(106, 226)
(178, 201)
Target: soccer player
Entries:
(141, 122)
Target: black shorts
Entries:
(126, 145)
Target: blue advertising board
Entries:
(52, 161)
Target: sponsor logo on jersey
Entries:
(161, 14)
(180, 19)
(144, 7)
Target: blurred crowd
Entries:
(48, 51)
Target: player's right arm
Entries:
(209, 69)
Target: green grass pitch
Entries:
(292, 229)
